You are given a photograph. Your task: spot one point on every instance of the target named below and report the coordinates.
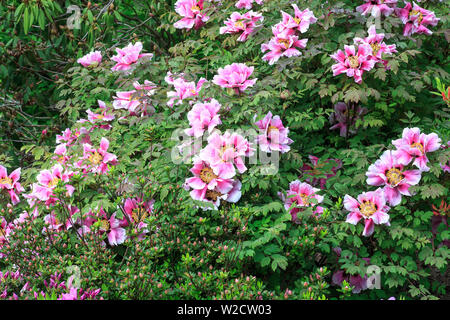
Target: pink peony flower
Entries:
(300, 194)
(48, 180)
(389, 172)
(247, 4)
(100, 117)
(212, 185)
(92, 59)
(353, 63)
(11, 183)
(416, 19)
(274, 135)
(183, 89)
(235, 76)
(191, 11)
(371, 206)
(113, 227)
(416, 145)
(376, 43)
(224, 152)
(135, 101)
(127, 56)
(203, 116)
(5, 230)
(98, 159)
(377, 7)
(301, 20)
(242, 23)
(283, 45)
(137, 211)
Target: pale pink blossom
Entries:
(11, 183)
(370, 206)
(377, 7)
(225, 152)
(416, 145)
(135, 101)
(301, 20)
(183, 89)
(98, 159)
(203, 116)
(299, 196)
(388, 172)
(92, 59)
(244, 24)
(210, 185)
(191, 11)
(235, 76)
(416, 19)
(48, 180)
(128, 55)
(103, 116)
(274, 136)
(352, 62)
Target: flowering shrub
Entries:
(207, 165)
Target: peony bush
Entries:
(212, 169)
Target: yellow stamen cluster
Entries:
(418, 146)
(367, 208)
(394, 176)
(207, 175)
(104, 225)
(375, 48)
(285, 42)
(53, 182)
(95, 158)
(353, 62)
(139, 214)
(6, 180)
(212, 195)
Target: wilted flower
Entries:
(317, 168)
(235, 76)
(416, 145)
(345, 118)
(370, 206)
(353, 63)
(389, 172)
(92, 59)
